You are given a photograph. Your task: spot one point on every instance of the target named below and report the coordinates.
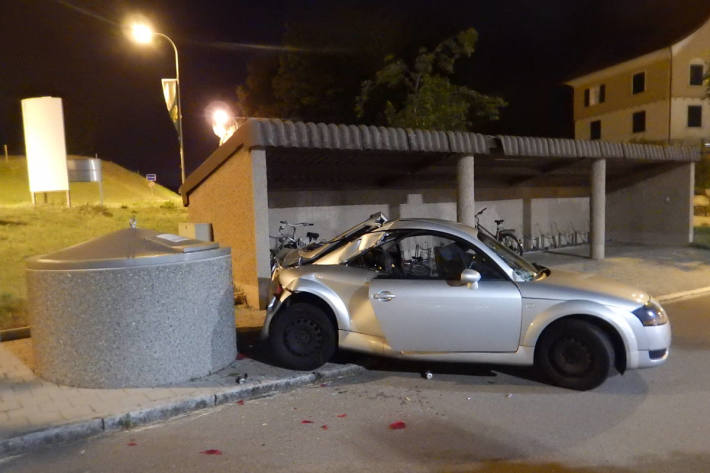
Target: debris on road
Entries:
(399, 425)
(211, 451)
(427, 375)
(342, 415)
(306, 421)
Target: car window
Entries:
(420, 255)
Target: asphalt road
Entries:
(467, 419)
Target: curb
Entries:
(15, 333)
(128, 420)
(676, 296)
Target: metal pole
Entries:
(179, 106)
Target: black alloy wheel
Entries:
(302, 337)
(574, 354)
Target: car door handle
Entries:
(384, 296)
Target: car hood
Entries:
(568, 285)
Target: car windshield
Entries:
(522, 270)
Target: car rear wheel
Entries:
(574, 354)
(302, 337)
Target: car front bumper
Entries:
(653, 346)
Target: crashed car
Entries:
(434, 290)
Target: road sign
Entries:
(151, 177)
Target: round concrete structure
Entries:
(132, 309)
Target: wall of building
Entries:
(693, 49)
(655, 210)
(617, 125)
(680, 131)
(619, 88)
(227, 201)
(332, 212)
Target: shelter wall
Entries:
(230, 200)
(654, 210)
(331, 212)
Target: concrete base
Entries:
(132, 327)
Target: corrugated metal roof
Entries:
(524, 145)
(562, 148)
(274, 133)
(611, 150)
(467, 142)
(588, 148)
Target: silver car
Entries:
(434, 290)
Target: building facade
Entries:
(656, 97)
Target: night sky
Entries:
(113, 102)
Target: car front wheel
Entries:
(574, 354)
(302, 337)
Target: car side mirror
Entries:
(471, 278)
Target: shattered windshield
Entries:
(523, 270)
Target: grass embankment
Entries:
(26, 231)
(702, 236)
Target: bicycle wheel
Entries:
(513, 244)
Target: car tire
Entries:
(302, 337)
(574, 354)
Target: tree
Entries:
(327, 56)
(421, 95)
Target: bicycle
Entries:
(287, 240)
(506, 236)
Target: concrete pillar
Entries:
(261, 223)
(466, 204)
(597, 208)
(527, 220)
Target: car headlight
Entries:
(651, 314)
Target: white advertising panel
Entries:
(43, 120)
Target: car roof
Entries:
(431, 224)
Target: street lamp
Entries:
(224, 124)
(143, 34)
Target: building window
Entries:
(638, 83)
(594, 95)
(695, 116)
(639, 121)
(595, 130)
(696, 74)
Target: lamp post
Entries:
(143, 34)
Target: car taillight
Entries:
(278, 289)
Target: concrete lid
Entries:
(128, 248)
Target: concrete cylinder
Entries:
(597, 208)
(466, 203)
(163, 315)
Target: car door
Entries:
(422, 306)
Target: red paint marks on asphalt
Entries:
(342, 415)
(240, 402)
(211, 451)
(399, 425)
(324, 427)
(306, 422)
(132, 443)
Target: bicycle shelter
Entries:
(336, 175)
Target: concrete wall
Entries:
(656, 210)
(233, 200)
(332, 212)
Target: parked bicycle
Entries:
(506, 236)
(287, 240)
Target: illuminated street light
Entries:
(143, 34)
(223, 124)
